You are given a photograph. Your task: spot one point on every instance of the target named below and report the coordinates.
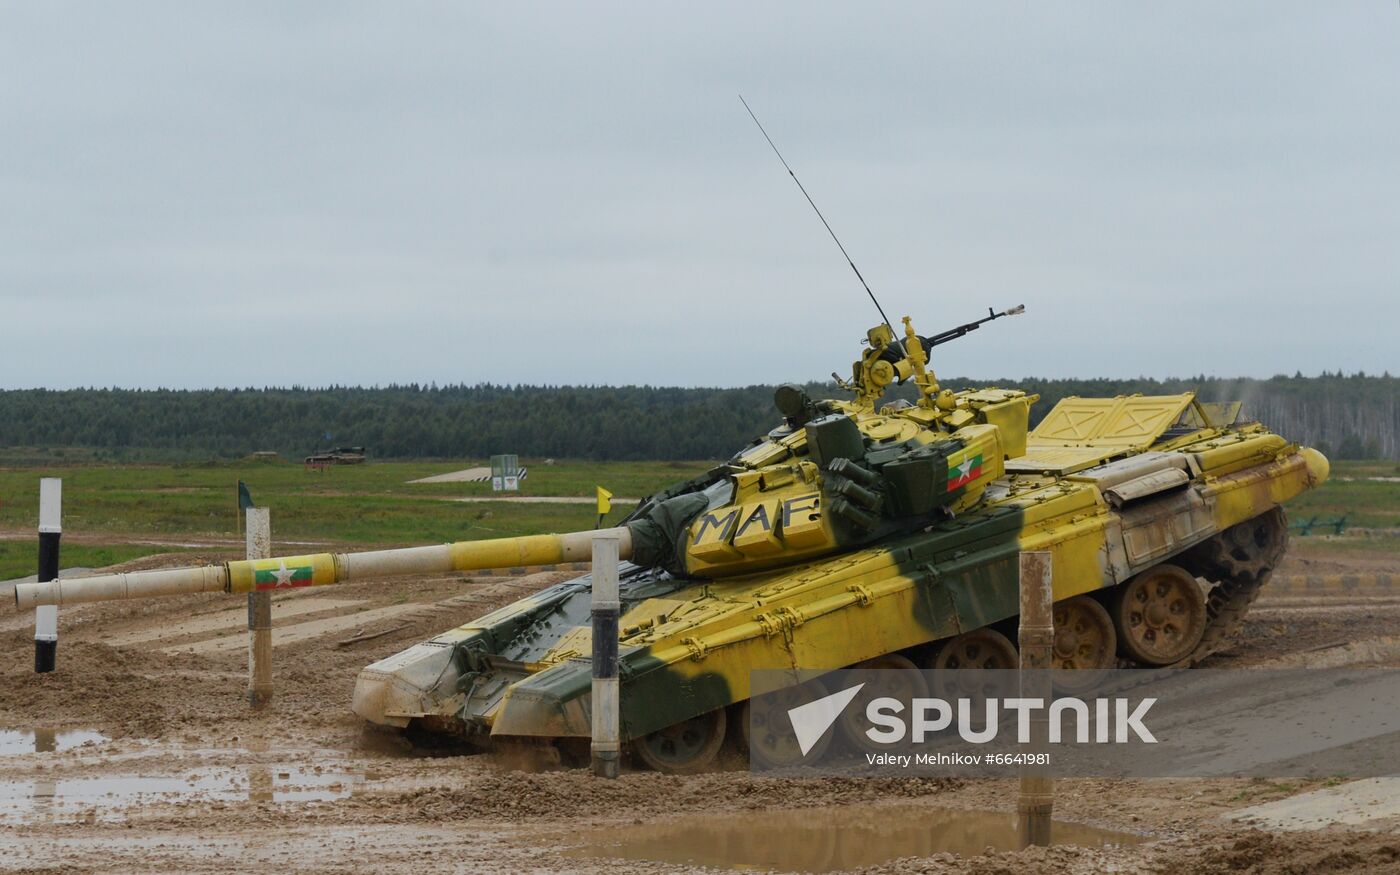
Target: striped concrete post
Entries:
(50, 530)
(258, 534)
(607, 721)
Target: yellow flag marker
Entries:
(604, 505)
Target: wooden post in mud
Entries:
(1036, 635)
(259, 545)
(50, 530)
(606, 607)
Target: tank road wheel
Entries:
(1085, 640)
(767, 729)
(894, 676)
(980, 648)
(1160, 615)
(685, 748)
(956, 662)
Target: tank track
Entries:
(1240, 560)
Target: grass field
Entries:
(371, 504)
(19, 558)
(114, 507)
(1368, 493)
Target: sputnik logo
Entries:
(811, 721)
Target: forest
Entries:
(1347, 416)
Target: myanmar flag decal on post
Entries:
(962, 473)
(282, 576)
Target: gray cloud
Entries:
(318, 193)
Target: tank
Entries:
(859, 532)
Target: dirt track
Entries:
(189, 780)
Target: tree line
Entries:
(1347, 416)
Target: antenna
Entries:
(819, 216)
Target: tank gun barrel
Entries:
(320, 569)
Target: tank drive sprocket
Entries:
(1240, 560)
(1245, 550)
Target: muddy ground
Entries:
(141, 755)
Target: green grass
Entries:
(369, 504)
(20, 558)
(1366, 502)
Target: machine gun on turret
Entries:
(889, 360)
(954, 333)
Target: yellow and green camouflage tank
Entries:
(857, 534)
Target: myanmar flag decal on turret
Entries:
(964, 471)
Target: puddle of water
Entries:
(107, 796)
(20, 741)
(829, 839)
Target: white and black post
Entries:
(50, 530)
(607, 721)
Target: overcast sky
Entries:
(239, 194)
